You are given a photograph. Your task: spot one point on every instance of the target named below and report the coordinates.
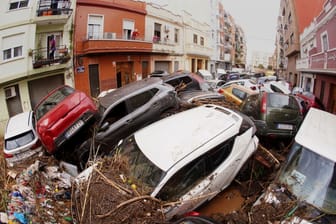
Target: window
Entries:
(157, 32)
(202, 41)
(128, 27)
(195, 39)
(18, 4)
(176, 35)
(291, 40)
(325, 45)
(12, 47)
(95, 26)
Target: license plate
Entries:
(285, 126)
(74, 128)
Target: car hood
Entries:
(61, 110)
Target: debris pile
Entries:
(105, 194)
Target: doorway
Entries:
(94, 80)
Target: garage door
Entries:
(38, 88)
(161, 66)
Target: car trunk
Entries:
(283, 113)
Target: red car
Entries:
(308, 100)
(63, 117)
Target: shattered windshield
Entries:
(311, 178)
(142, 170)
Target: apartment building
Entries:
(318, 58)
(294, 16)
(30, 67)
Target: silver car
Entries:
(20, 140)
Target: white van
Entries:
(205, 74)
(309, 173)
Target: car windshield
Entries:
(18, 141)
(142, 170)
(311, 178)
(282, 101)
(50, 102)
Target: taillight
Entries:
(36, 145)
(192, 213)
(253, 88)
(263, 104)
(220, 91)
(8, 155)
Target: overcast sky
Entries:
(258, 18)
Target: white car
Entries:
(191, 156)
(20, 140)
(247, 83)
(307, 179)
(276, 86)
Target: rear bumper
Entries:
(264, 130)
(79, 126)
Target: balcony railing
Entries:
(41, 56)
(302, 63)
(324, 60)
(52, 7)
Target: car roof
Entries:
(317, 133)
(200, 125)
(129, 90)
(18, 124)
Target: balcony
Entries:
(41, 56)
(302, 63)
(113, 42)
(292, 49)
(53, 12)
(324, 60)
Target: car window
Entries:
(50, 102)
(19, 140)
(238, 93)
(184, 180)
(193, 173)
(175, 82)
(117, 112)
(141, 99)
(275, 89)
(282, 101)
(251, 106)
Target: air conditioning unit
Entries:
(10, 92)
(109, 35)
(166, 28)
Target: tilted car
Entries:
(247, 83)
(189, 157)
(127, 109)
(21, 141)
(310, 100)
(235, 93)
(63, 119)
(186, 81)
(307, 179)
(274, 114)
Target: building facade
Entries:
(318, 60)
(36, 48)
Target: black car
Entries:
(186, 81)
(127, 109)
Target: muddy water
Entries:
(226, 202)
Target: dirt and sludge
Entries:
(43, 191)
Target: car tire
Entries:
(82, 154)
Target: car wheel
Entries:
(82, 154)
